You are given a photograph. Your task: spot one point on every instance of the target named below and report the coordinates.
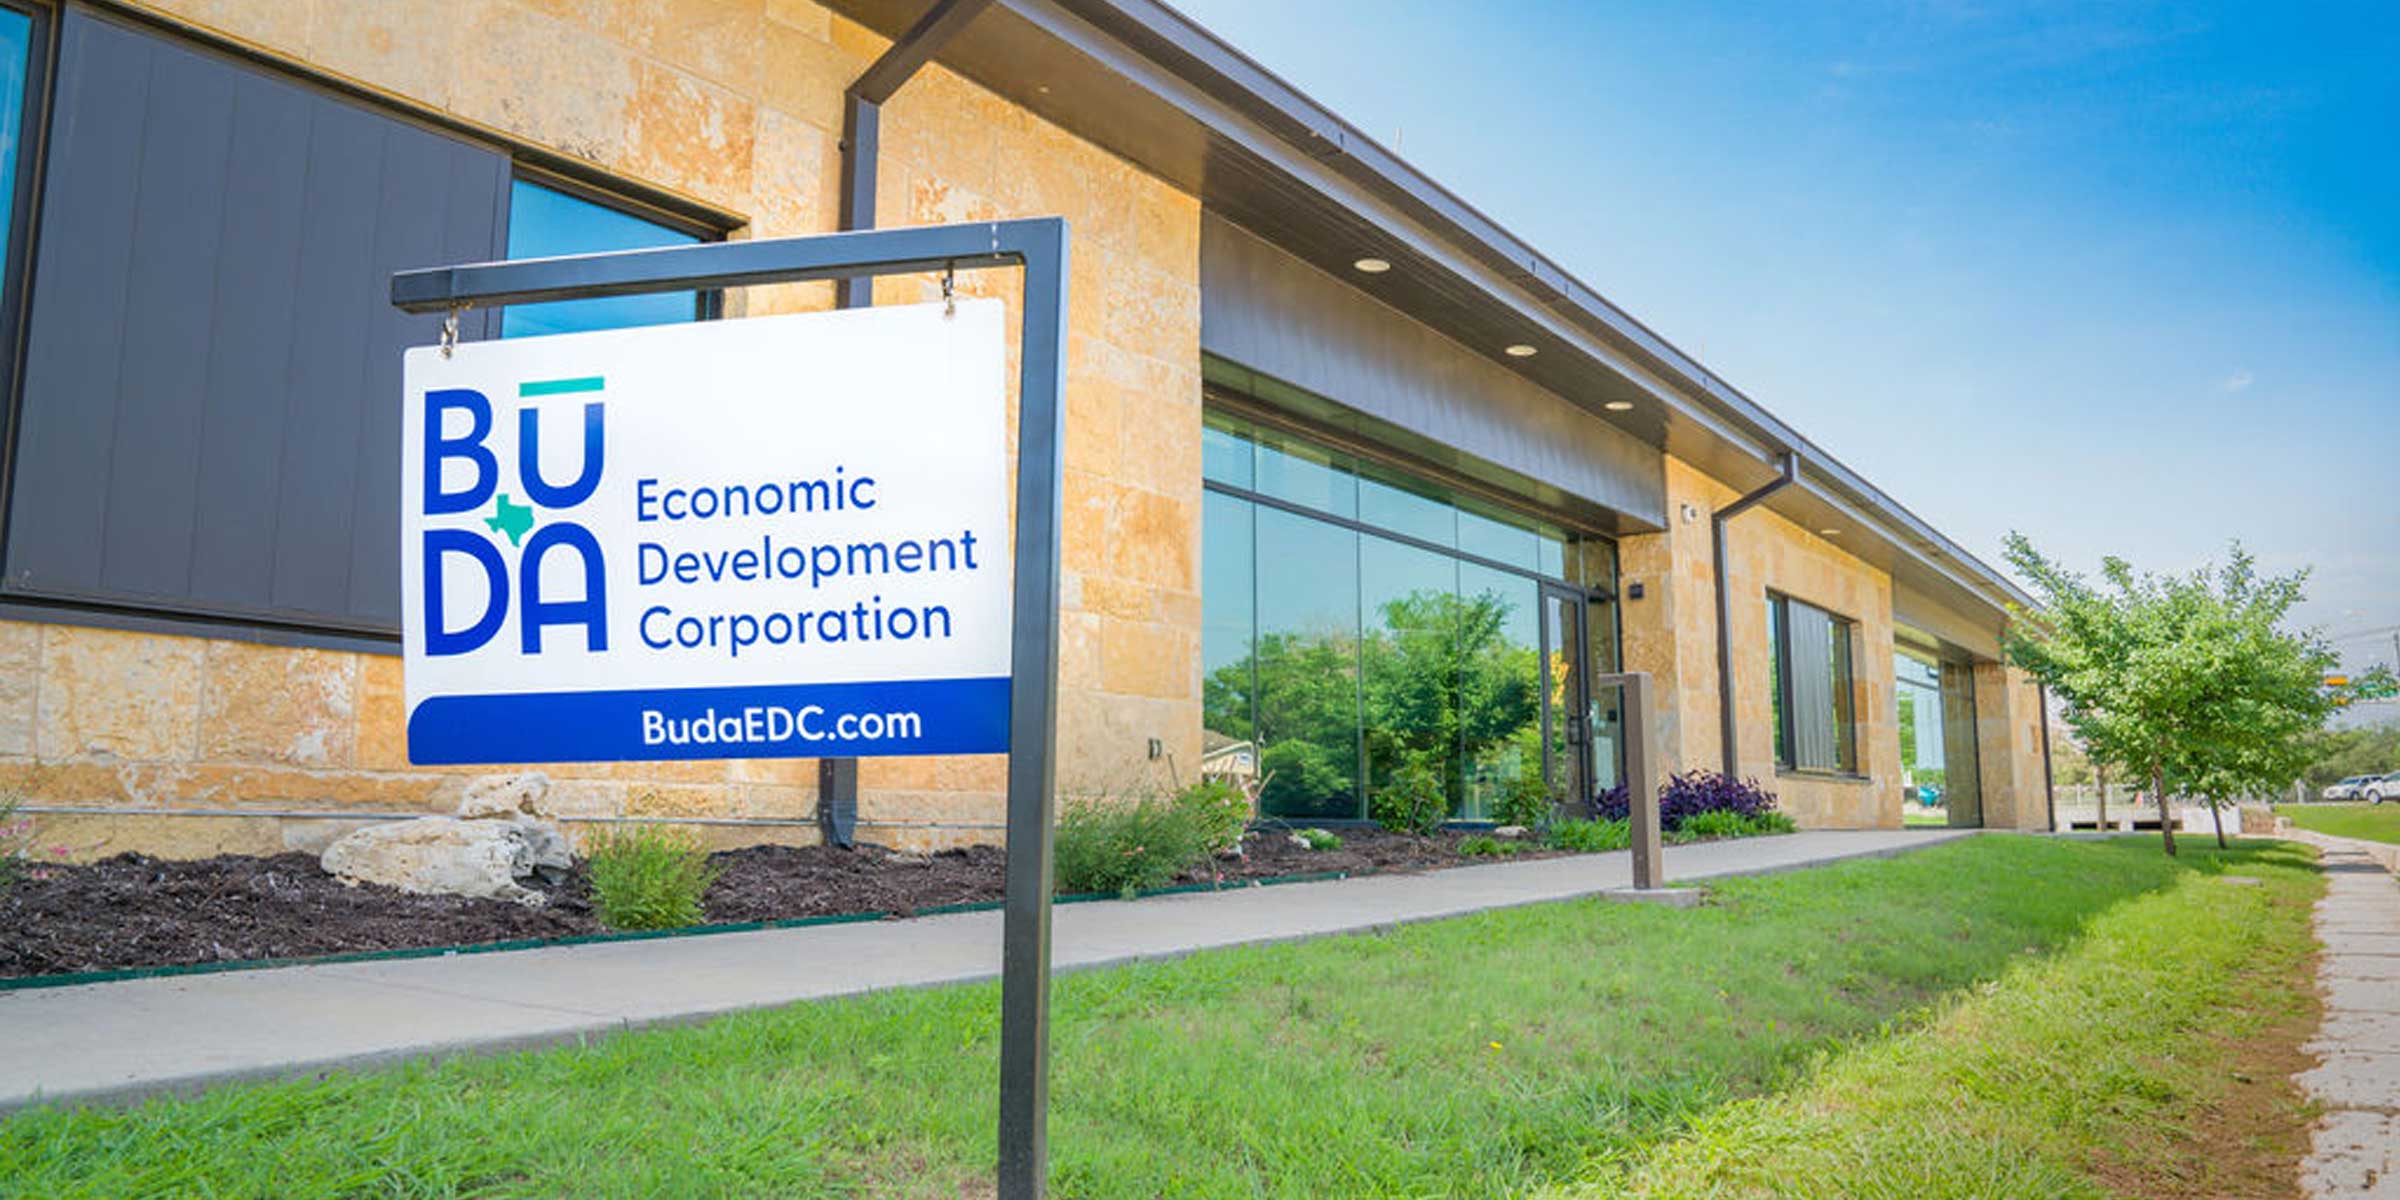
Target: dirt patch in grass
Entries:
(2245, 1143)
(138, 911)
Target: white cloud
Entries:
(2239, 381)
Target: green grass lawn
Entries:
(2374, 822)
(2113, 1067)
(1546, 1046)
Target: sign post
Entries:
(535, 627)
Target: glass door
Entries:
(1567, 723)
(1605, 746)
(1963, 799)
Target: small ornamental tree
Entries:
(2183, 680)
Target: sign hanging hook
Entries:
(450, 328)
(950, 289)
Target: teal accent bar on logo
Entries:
(560, 387)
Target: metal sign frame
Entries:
(1039, 247)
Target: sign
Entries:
(775, 537)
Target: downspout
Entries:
(1789, 461)
(2049, 785)
(862, 142)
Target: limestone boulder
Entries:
(442, 856)
(520, 794)
(501, 836)
(522, 799)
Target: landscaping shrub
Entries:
(647, 877)
(1219, 810)
(1690, 794)
(1717, 825)
(1484, 845)
(1585, 837)
(1411, 801)
(1121, 846)
(1320, 839)
(1524, 801)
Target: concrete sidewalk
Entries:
(2354, 1151)
(115, 1041)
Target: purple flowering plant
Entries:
(1690, 794)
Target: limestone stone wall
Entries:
(2008, 748)
(1671, 632)
(736, 103)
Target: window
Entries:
(16, 60)
(1811, 684)
(1357, 619)
(544, 222)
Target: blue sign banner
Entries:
(824, 720)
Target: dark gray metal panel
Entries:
(74, 334)
(254, 303)
(1269, 311)
(179, 187)
(211, 419)
(329, 344)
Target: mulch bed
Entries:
(136, 911)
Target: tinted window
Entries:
(1307, 649)
(16, 43)
(545, 222)
(1228, 625)
(1812, 686)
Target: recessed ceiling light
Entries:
(1619, 406)
(1520, 350)
(1372, 266)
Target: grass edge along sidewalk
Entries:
(1482, 1055)
(2144, 1061)
(2368, 822)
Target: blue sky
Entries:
(2124, 277)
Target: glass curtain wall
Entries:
(1357, 620)
(1936, 700)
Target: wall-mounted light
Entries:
(1618, 406)
(1372, 266)
(1520, 350)
(1830, 532)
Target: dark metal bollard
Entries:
(1641, 776)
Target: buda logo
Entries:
(528, 524)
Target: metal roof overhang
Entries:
(1147, 83)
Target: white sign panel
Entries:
(776, 537)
